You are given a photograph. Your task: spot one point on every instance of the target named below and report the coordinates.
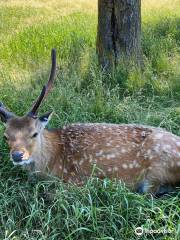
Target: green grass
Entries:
(103, 210)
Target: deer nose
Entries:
(17, 156)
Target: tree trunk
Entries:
(119, 31)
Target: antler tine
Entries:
(46, 88)
(4, 113)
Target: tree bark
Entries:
(119, 31)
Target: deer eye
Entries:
(34, 135)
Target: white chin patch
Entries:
(23, 162)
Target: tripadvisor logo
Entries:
(139, 231)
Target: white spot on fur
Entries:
(159, 135)
(81, 162)
(85, 156)
(143, 134)
(118, 146)
(178, 164)
(109, 156)
(108, 144)
(134, 145)
(167, 147)
(116, 169)
(149, 151)
(100, 153)
(138, 154)
(123, 150)
(137, 165)
(151, 157)
(125, 166)
(131, 165)
(91, 159)
(94, 146)
(134, 132)
(157, 148)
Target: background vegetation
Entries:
(103, 210)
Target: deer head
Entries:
(23, 133)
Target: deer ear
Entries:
(45, 118)
(5, 115)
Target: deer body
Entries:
(146, 158)
(132, 153)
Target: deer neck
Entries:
(48, 152)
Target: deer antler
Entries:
(4, 113)
(46, 88)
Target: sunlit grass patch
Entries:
(74, 35)
(69, 35)
(14, 19)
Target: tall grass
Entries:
(102, 209)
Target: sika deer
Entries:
(146, 158)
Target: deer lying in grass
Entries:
(146, 158)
